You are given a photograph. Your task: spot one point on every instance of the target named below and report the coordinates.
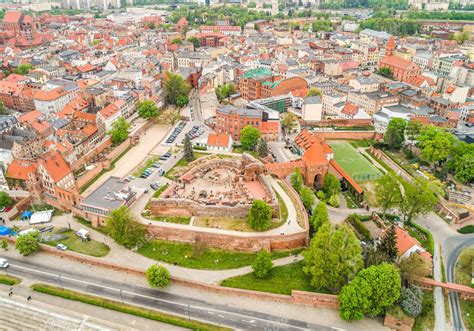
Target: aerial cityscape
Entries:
(237, 165)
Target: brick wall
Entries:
(105, 143)
(348, 135)
(88, 175)
(395, 323)
(340, 122)
(228, 241)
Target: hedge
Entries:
(355, 221)
(9, 280)
(467, 229)
(125, 308)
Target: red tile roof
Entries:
(19, 169)
(55, 165)
(12, 17)
(397, 62)
(49, 95)
(344, 174)
(218, 140)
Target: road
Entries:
(172, 303)
(456, 245)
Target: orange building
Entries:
(262, 83)
(402, 69)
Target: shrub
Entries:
(411, 300)
(259, 216)
(320, 195)
(467, 229)
(263, 264)
(27, 244)
(355, 221)
(158, 276)
(334, 201)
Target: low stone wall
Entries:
(349, 135)
(227, 241)
(186, 207)
(105, 143)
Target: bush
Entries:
(411, 300)
(158, 276)
(27, 244)
(355, 221)
(334, 201)
(259, 216)
(263, 264)
(467, 229)
(320, 195)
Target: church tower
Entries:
(390, 47)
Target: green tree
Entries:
(188, 149)
(175, 88)
(435, 143)
(413, 129)
(307, 197)
(395, 134)
(259, 215)
(388, 245)
(333, 258)
(334, 201)
(23, 69)
(462, 37)
(331, 185)
(177, 41)
(371, 292)
(387, 192)
(182, 101)
(124, 229)
(314, 91)
(4, 244)
(411, 300)
(419, 198)
(158, 276)
(262, 148)
(412, 267)
(5, 199)
(320, 216)
(195, 41)
(263, 264)
(28, 243)
(288, 122)
(249, 137)
(147, 109)
(119, 130)
(296, 180)
(461, 162)
(225, 91)
(385, 72)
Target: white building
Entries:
(312, 109)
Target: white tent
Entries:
(41, 217)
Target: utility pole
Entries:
(121, 297)
(61, 282)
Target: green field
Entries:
(355, 164)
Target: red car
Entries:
(8, 209)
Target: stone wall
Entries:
(105, 143)
(219, 239)
(398, 324)
(340, 122)
(186, 207)
(349, 135)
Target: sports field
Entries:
(355, 164)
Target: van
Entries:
(83, 234)
(3, 263)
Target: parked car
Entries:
(155, 186)
(7, 209)
(2, 209)
(61, 247)
(3, 263)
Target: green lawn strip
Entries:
(281, 280)
(171, 219)
(426, 320)
(211, 259)
(160, 190)
(423, 236)
(241, 150)
(467, 311)
(148, 163)
(170, 174)
(76, 244)
(463, 276)
(125, 308)
(382, 163)
(9, 280)
(103, 171)
(283, 208)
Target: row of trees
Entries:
(437, 147)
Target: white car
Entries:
(3, 263)
(61, 247)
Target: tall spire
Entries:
(390, 47)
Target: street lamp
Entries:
(121, 297)
(61, 282)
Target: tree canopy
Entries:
(307, 197)
(333, 258)
(263, 264)
(314, 91)
(296, 180)
(225, 91)
(395, 134)
(176, 89)
(320, 216)
(124, 229)
(27, 244)
(262, 148)
(387, 192)
(259, 215)
(147, 109)
(5, 199)
(419, 198)
(288, 122)
(249, 137)
(331, 185)
(435, 143)
(119, 130)
(158, 276)
(188, 149)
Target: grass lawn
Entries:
(9, 280)
(357, 166)
(299, 212)
(423, 236)
(240, 150)
(426, 320)
(75, 244)
(160, 190)
(171, 219)
(212, 259)
(181, 164)
(283, 208)
(463, 276)
(236, 224)
(125, 308)
(282, 280)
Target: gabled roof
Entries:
(55, 165)
(218, 140)
(19, 169)
(12, 17)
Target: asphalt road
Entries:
(155, 299)
(459, 244)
